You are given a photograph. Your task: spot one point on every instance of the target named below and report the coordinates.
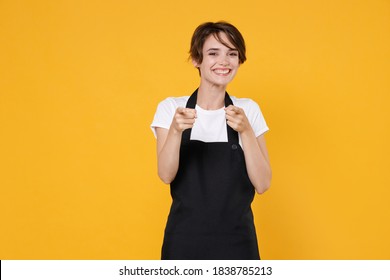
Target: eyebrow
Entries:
(217, 49)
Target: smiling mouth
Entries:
(222, 72)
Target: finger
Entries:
(185, 120)
(236, 109)
(232, 113)
(187, 124)
(190, 110)
(229, 117)
(183, 110)
(232, 125)
(189, 113)
(180, 110)
(232, 108)
(232, 119)
(188, 121)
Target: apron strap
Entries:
(191, 103)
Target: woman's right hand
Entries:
(183, 119)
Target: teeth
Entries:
(220, 71)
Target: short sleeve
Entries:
(254, 115)
(164, 114)
(257, 120)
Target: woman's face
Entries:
(220, 63)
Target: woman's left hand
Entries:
(237, 119)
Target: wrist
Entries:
(174, 131)
(247, 133)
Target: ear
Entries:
(195, 63)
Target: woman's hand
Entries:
(183, 119)
(237, 119)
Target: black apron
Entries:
(211, 216)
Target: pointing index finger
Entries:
(232, 108)
(186, 112)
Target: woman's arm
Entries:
(168, 143)
(255, 151)
(257, 161)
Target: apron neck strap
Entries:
(191, 103)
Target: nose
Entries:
(224, 62)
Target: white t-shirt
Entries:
(210, 125)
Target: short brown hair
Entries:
(203, 31)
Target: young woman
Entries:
(211, 150)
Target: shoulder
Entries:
(173, 102)
(167, 107)
(254, 114)
(165, 111)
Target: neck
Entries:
(211, 97)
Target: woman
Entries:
(211, 149)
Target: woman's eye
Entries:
(233, 54)
(212, 53)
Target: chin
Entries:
(219, 84)
(224, 83)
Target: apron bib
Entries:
(211, 216)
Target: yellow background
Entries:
(79, 85)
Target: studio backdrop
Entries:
(80, 82)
